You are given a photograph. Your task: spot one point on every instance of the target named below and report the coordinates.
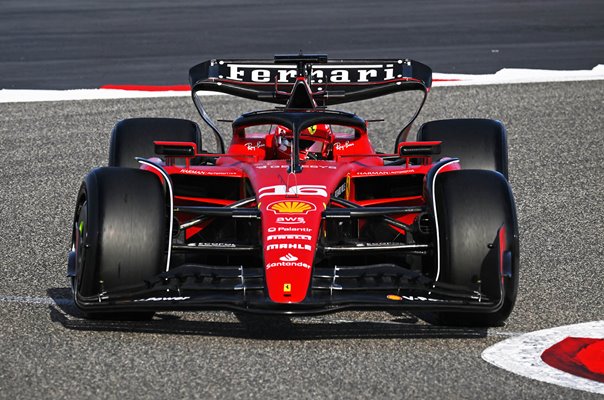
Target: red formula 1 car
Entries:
(299, 214)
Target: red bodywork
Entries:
(292, 205)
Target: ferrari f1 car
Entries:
(299, 214)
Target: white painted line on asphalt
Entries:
(31, 95)
(504, 76)
(41, 300)
(522, 355)
(503, 333)
(517, 75)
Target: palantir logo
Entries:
(289, 257)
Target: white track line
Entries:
(27, 95)
(514, 75)
(36, 300)
(522, 355)
(504, 76)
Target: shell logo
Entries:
(291, 207)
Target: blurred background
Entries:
(66, 44)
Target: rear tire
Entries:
(120, 234)
(478, 143)
(471, 206)
(134, 137)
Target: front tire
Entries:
(471, 206)
(120, 234)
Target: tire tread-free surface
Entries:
(125, 234)
(134, 137)
(478, 143)
(472, 205)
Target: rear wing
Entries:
(307, 81)
(330, 81)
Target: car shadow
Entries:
(264, 327)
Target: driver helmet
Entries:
(316, 139)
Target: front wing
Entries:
(369, 287)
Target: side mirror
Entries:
(175, 149)
(419, 149)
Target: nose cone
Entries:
(290, 231)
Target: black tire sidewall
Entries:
(134, 137)
(471, 206)
(126, 230)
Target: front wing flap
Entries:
(369, 287)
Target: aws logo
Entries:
(291, 207)
(291, 221)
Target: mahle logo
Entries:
(291, 207)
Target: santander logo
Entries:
(289, 257)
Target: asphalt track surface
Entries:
(70, 44)
(48, 351)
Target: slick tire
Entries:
(478, 143)
(470, 207)
(134, 137)
(120, 234)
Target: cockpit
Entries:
(316, 135)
